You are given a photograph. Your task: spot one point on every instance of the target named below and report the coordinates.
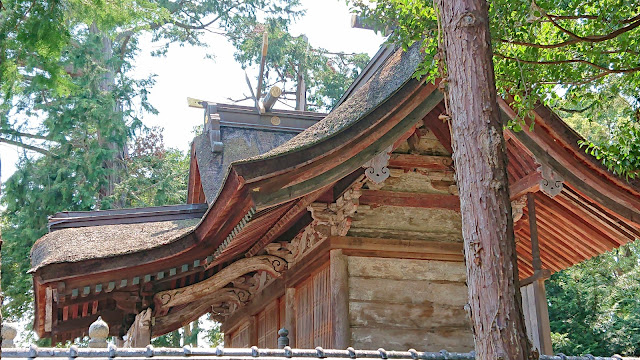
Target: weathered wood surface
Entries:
(422, 301)
(425, 316)
(290, 315)
(271, 264)
(339, 286)
(406, 269)
(481, 169)
(428, 143)
(407, 291)
(407, 223)
(398, 248)
(452, 339)
(427, 181)
(536, 315)
(389, 198)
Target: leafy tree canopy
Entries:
(594, 307)
(327, 74)
(570, 54)
(66, 92)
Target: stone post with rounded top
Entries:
(98, 333)
(9, 332)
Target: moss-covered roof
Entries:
(95, 242)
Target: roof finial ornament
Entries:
(98, 333)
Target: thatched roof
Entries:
(95, 242)
(239, 144)
(398, 70)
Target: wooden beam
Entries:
(253, 330)
(417, 200)
(440, 130)
(179, 317)
(533, 231)
(595, 214)
(596, 183)
(271, 264)
(395, 248)
(409, 161)
(290, 315)
(528, 184)
(271, 98)
(542, 274)
(339, 277)
(536, 313)
(255, 305)
(111, 317)
(292, 215)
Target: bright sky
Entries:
(185, 72)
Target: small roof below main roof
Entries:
(96, 242)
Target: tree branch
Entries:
(28, 147)
(571, 61)
(634, 23)
(21, 134)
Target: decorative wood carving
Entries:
(551, 182)
(376, 169)
(139, 334)
(218, 303)
(517, 207)
(273, 265)
(328, 220)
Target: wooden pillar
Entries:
(253, 330)
(119, 342)
(290, 314)
(534, 296)
(227, 340)
(139, 334)
(339, 275)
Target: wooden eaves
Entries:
(265, 198)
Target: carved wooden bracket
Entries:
(517, 207)
(328, 220)
(220, 304)
(270, 264)
(551, 183)
(376, 169)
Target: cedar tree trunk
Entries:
(480, 162)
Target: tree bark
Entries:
(107, 84)
(480, 162)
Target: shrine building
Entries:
(344, 228)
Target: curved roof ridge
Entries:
(394, 72)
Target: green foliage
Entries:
(152, 175)
(569, 54)
(171, 340)
(66, 92)
(594, 306)
(214, 336)
(327, 75)
(41, 187)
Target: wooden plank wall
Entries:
(399, 304)
(313, 317)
